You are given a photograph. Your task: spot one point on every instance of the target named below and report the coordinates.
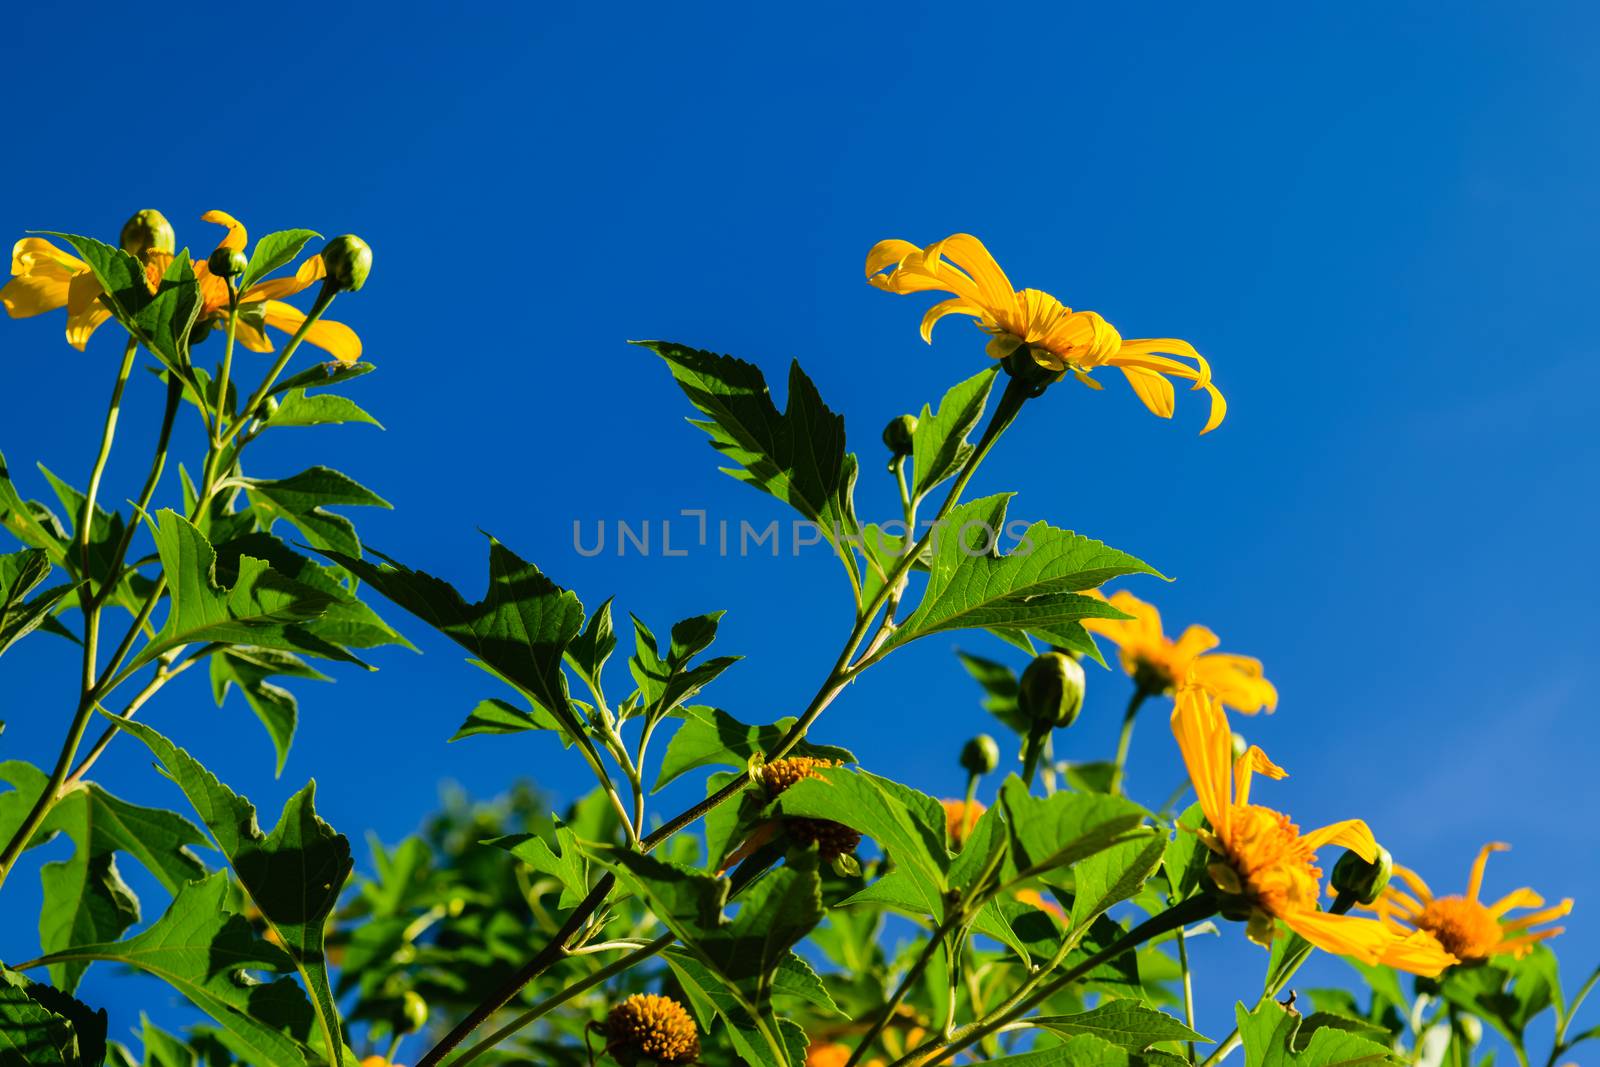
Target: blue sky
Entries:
(1378, 222)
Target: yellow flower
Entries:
(1057, 338)
(1461, 924)
(1149, 655)
(833, 1054)
(959, 819)
(1263, 857)
(45, 279)
(654, 1027)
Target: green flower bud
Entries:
(1240, 745)
(268, 408)
(413, 1013)
(897, 435)
(1052, 690)
(227, 262)
(348, 260)
(148, 231)
(981, 755)
(1363, 882)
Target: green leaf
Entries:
(590, 650)
(494, 716)
(1270, 1035)
(160, 321)
(665, 683)
(322, 375)
(1116, 874)
(1083, 1050)
(205, 951)
(248, 668)
(710, 997)
(273, 251)
(298, 409)
(1056, 831)
(30, 522)
(303, 501)
(565, 863)
(1507, 994)
(44, 1027)
(520, 629)
(797, 455)
(939, 447)
(1000, 688)
(20, 573)
(980, 851)
(1186, 857)
(294, 874)
(1125, 1023)
(711, 737)
(1036, 584)
(907, 825)
(261, 608)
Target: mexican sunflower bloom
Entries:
(1264, 860)
(1162, 664)
(1464, 926)
(45, 278)
(1056, 337)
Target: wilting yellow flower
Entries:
(1057, 338)
(1263, 857)
(1461, 924)
(959, 819)
(45, 278)
(655, 1028)
(1149, 655)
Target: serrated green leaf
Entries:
(294, 874)
(298, 409)
(1082, 1050)
(303, 501)
(273, 251)
(249, 668)
(1269, 1034)
(712, 737)
(666, 682)
(21, 573)
(1113, 875)
(44, 1027)
(1125, 1023)
(590, 650)
(161, 321)
(798, 455)
(1186, 857)
(322, 375)
(1052, 832)
(495, 716)
(565, 863)
(30, 522)
(939, 446)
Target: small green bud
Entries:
(268, 408)
(1052, 690)
(413, 1013)
(1470, 1029)
(981, 755)
(148, 231)
(1240, 745)
(1363, 882)
(897, 435)
(227, 262)
(348, 260)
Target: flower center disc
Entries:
(1277, 867)
(1464, 927)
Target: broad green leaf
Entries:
(565, 863)
(294, 874)
(1186, 858)
(495, 716)
(208, 953)
(907, 825)
(711, 998)
(1124, 1023)
(324, 409)
(273, 251)
(666, 682)
(1270, 1038)
(1506, 993)
(1037, 584)
(261, 608)
(44, 1027)
(1116, 874)
(980, 851)
(939, 447)
(797, 455)
(249, 668)
(21, 573)
(1082, 1050)
(303, 500)
(712, 737)
(590, 650)
(1000, 688)
(29, 521)
(1056, 831)
(322, 375)
(520, 629)
(161, 321)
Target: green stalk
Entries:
(1188, 988)
(324, 298)
(935, 939)
(1125, 739)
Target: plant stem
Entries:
(162, 677)
(935, 939)
(223, 408)
(320, 305)
(1188, 988)
(1125, 739)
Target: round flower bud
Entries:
(1240, 745)
(1052, 689)
(980, 755)
(897, 435)
(653, 1028)
(1358, 880)
(227, 262)
(148, 231)
(413, 1013)
(348, 261)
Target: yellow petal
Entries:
(85, 311)
(888, 252)
(237, 237)
(1555, 911)
(955, 306)
(968, 253)
(312, 270)
(1475, 883)
(1206, 744)
(1253, 761)
(1344, 935)
(1152, 389)
(34, 294)
(1353, 834)
(35, 253)
(1414, 881)
(1418, 952)
(336, 338)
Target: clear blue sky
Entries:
(1378, 222)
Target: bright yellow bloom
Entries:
(833, 1054)
(45, 279)
(1149, 655)
(1263, 857)
(959, 819)
(1461, 924)
(1058, 338)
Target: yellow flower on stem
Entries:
(1162, 664)
(1463, 925)
(1265, 862)
(45, 279)
(960, 817)
(1057, 338)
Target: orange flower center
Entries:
(1278, 869)
(1464, 927)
